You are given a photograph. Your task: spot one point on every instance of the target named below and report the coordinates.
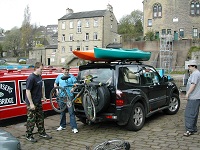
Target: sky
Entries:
(47, 12)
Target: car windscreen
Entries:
(102, 74)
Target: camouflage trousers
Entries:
(35, 117)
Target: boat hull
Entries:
(122, 54)
(86, 55)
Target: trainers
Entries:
(188, 133)
(31, 139)
(75, 130)
(45, 136)
(60, 128)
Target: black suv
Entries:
(130, 93)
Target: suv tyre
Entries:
(137, 118)
(174, 105)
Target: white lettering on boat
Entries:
(5, 101)
(6, 88)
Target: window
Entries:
(169, 31)
(63, 49)
(87, 36)
(95, 35)
(70, 37)
(195, 33)
(87, 23)
(181, 32)
(111, 26)
(95, 23)
(195, 8)
(157, 10)
(150, 76)
(71, 25)
(63, 25)
(149, 22)
(70, 48)
(78, 47)
(163, 31)
(62, 60)
(79, 27)
(63, 37)
(52, 59)
(86, 48)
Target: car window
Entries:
(150, 76)
(130, 74)
(103, 74)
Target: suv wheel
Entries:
(137, 118)
(174, 105)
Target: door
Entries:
(48, 61)
(175, 35)
(156, 91)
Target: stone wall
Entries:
(180, 49)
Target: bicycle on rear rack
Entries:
(60, 101)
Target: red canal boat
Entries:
(13, 89)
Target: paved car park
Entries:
(159, 132)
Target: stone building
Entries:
(84, 31)
(180, 18)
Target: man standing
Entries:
(34, 94)
(64, 83)
(193, 99)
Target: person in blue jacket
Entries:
(63, 83)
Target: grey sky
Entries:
(45, 12)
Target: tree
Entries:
(26, 29)
(130, 26)
(12, 41)
(1, 50)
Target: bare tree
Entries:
(26, 30)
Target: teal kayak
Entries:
(122, 54)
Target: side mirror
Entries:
(165, 79)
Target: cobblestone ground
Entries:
(159, 132)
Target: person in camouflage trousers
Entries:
(34, 94)
(32, 120)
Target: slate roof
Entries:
(85, 14)
(51, 47)
(114, 45)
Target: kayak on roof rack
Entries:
(121, 54)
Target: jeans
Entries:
(191, 115)
(73, 123)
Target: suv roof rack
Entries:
(119, 61)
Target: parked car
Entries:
(8, 141)
(131, 92)
(2, 61)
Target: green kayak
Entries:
(121, 54)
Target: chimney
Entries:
(69, 11)
(109, 8)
